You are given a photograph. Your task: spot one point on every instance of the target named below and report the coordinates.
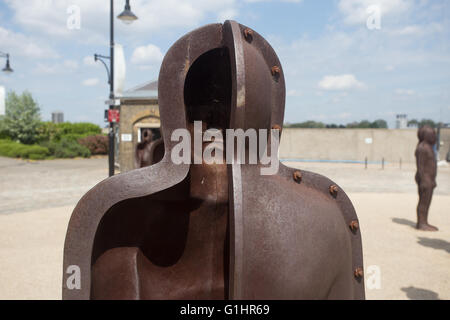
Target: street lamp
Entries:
(128, 17)
(7, 68)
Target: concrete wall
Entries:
(354, 144)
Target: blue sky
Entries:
(338, 67)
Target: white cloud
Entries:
(70, 64)
(41, 15)
(145, 55)
(18, 44)
(293, 93)
(355, 11)
(418, 30)
(50, 17)
(89, 61)
(65, 66)
(227, 14)
(344, 115)
(291, 1)
(90, 82)
(405, 92)
(340, 82)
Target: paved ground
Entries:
(29, 185)
(36, 200)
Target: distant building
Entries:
(138, 111)
(402, 121)
(57, 117)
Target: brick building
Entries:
(138, 110)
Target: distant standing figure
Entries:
(426, 175)
(150, 150)
(142, 157)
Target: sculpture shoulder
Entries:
(323, 185)
(132, 184)
(296, 210)
(342, 237)
(305, 199)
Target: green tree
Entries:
(365, 124)
(413, 122)
(359, 125)
(307, 124)
(379, 124)
(427, 122)
(22, 117)
(3, 132)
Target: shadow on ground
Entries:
(420, 294)
(437, 244)
(405, 222)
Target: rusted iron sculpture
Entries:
(217, 231)
(149, 151)
(425, 175)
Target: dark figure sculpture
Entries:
(149, 151)
(426, 175)
(215, 231)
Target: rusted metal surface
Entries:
(220, 231)
(298, 176)
(334, 190)
(425, 175)
(354, 225)
(359, 273)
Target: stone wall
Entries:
(133, 115)
(354, 144)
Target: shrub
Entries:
(97, 144)
(18, 150)
(49, 131)
(79, 128)
(66, 148)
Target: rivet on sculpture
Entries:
(215, 231)
(425, 175)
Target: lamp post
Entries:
(127, 17)
(7, 68)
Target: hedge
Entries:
(18, 150)
(67, 148)
(49, 131)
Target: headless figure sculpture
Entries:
(425, 176)
(221, 230)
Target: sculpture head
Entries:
(420, 134)
(224, 75)
(428, 135)
(146, 135)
